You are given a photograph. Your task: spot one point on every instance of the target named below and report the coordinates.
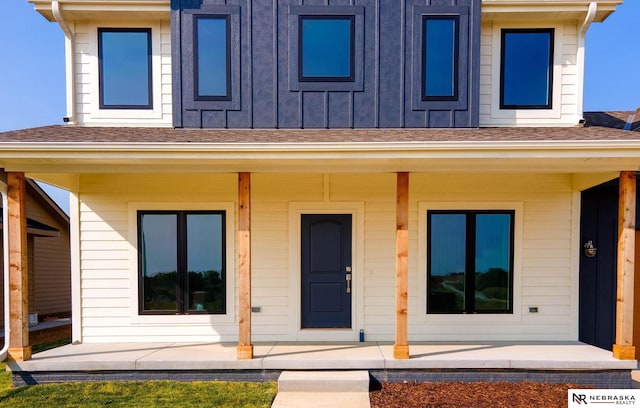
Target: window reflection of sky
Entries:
(326, 47)
(448, 243)
(159, 241)
(125, 68)
(448, 240)
(212, 56)
(204, 243)
(159, 234)
(440, 45)
(493, 242)
(526, 68)
(204, 246)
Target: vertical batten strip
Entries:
(245, 348)
(401, 346)
(19, 349)
(624, 348)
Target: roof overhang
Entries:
(81, 150)
(122, 10)
(521, 10)
(491, 9)
(535, 157)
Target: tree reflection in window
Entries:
(182, 263)
(470, 261)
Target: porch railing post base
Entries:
(19, 353)
(624, 352)
(400, 352)
(245, 352)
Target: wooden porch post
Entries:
(19, 348)
(624, 348)
(245, 348)
(401, 346)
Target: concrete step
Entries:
(323, 389)
(323, 381)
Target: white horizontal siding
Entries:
(566, 89)
(86, 77)
(545, 278)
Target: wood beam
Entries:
(19, 349)
(401, 345)
(624, 348)
(245, 348)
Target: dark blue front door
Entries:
(598, 274)
(326, 271)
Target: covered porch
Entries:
(572, 362)
(319, 170)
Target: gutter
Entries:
(582, 39)
(69, 62)
(5, 265)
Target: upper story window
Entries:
(326, 48)
(470, 261)
(181, 256)
(526, 69)
(440, 58)
(212, 62)
(124, 56)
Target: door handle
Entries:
(348, 278)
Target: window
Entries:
(125, 68)
(326, 48)
(181, 256)
(212, 62)
(526, 76)
(440, 58)
(470, 261)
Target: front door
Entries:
(326, 271)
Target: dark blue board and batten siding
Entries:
(386, 92)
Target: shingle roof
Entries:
(600, 126)
(613, 119)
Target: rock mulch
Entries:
(470, 394)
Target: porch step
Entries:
(323, 389)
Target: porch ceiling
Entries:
(66, 149)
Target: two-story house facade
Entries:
(407, 171)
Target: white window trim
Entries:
(203, 319)
(156, 75)
(356, 209)
(516, 316)
(496, 51)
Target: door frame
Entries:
(296, 210)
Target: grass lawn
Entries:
(135, 394)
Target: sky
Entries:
(32, 76)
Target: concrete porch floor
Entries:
(541, 356)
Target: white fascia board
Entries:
(570, 148)
(79, 9)
(558, 9)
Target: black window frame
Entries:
(456, 58)
(352, 48)
(182, 273)
(148, 31)
(504, 32)
(196, 77)
(470, 261)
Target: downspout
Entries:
(5, 269)
(582, 38)
(69, 61)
